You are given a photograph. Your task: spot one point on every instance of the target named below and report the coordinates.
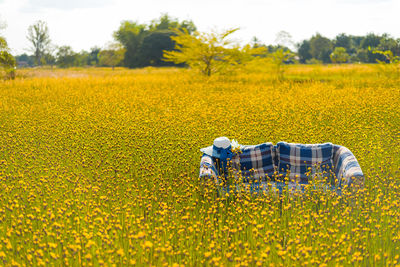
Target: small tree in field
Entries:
(111, 56)
(7, 61)
(210, 53)
(279, 59)
(339, 55)
(38, 35)
(391, 65)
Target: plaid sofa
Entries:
(292, 163)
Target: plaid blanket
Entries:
(254, 162)
(347, 168)
(299, 162)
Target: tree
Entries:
(209, 52)
(7, 61)
(151, 51)
(339, 55)
(93, 59)
(165, 22)
(25, 61)
(138, 39)
(343, 40)
(304, 51)
(370, 40)
(50, 59)
(131, 34)
(112, 55)
(362, 55)
(388, 43)
(279, 58)
(391, 65)
(81, 59)
(321, 48)
(65, 57)
(38, 35)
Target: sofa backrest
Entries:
(297, 161)
(255, 162)
(301, 161)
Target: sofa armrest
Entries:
(347, 169)
(208, 169)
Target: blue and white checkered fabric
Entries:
(207, 167)
(255, 162)
(298, 161)
(346, 166)
(302, 161)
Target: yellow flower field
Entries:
(100, 167)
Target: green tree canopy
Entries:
(112, 55)
(151, 52)
(165, 22)
(131, 34)
(144, 43)
(7, 61)
(279, 58)
(321, 48)
(65, 57)
(339, 55)
(304, 51)
(93, 59)
(343, 40)
(209, 53)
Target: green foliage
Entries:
(7, 61)
(279, 58)
(362, 55)
(391, 65)
(151, 51)
(165, 22)
(314, 61)
(359, 48)
(339, 55)
(209, 53)
(65, 57)
(50, 59)
(24, 60)
(38, 35)
(93, 59)
(144, 44)
(321, 48)
(343, 40)
(304, 51)
(131, 34)
(81, 59)
(111, 56)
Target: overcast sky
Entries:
(83, 24)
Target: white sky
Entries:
(83, 24)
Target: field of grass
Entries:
(100, 167)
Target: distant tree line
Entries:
(136, 45)
(140, 45)
(347, 48)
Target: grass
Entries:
(100, 167)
